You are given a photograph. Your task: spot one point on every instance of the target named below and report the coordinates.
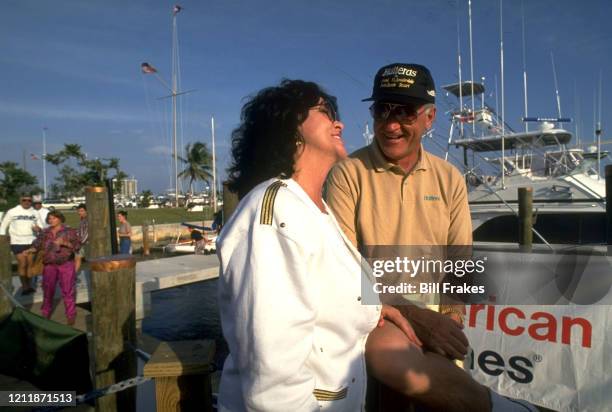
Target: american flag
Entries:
(147, 68)
(34, 157)
(176, 9)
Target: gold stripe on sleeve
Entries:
(323, 395)
(267, 207)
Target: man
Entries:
(393, 192)
(21, 222)
(125, 233)
(83, 236)
(42, 211)
(198, 240)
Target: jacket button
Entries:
(358, 298)
(282, 224)
(321, 349)
(353, 380)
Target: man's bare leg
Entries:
(426, 377)
(22, 269)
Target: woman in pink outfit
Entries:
(59, 244)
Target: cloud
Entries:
(159, 150)
(16, 109)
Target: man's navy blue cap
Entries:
(403, 83)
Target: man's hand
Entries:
(439, 333)
(394, 315)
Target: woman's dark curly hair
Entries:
(265, 143)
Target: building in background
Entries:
(129, 187)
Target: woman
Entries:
(290, 284)
(125, 233)
(59, 244)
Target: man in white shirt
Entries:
(42, 211)
(21, 222)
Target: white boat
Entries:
(187, 246)
(568, 193)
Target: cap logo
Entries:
(432, 93)
(401, 71)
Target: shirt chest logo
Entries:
(432, 198)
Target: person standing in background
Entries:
(83, 236)
(21, 223)
(125, 233)
(42, 211)
(59, 244)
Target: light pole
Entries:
(214, 165)
(44, 161)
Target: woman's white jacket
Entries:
(290, 304)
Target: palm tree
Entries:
(198, 161)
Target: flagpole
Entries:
(44, 162)
(174, 91)
(214, 165)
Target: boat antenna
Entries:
(503, 117)
(598, 129)
(367, 135)
(471, 62)
(576, 113)
(459, 73)
(524, 66)
(552, 59)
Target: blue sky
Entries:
(74, 66)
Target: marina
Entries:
(125, 130)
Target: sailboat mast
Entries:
(174, 120)
(471, 63)
(524, 68)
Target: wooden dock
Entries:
(151, 275)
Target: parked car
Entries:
(58, 204)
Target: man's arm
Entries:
(5, 222)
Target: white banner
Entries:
(558, 357)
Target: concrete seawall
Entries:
(164, 232)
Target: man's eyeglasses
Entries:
(401, 112)
(328, 109)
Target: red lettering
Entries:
(474, 309)
(543, 329)
(503, 314)
(550, 325)
(490, 317)
(566, 330)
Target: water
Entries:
(187, 312)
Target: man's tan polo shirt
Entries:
(378, 203)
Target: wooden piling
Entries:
(98, 221)
(113, 283)
(609, 207)
(6, 277)
(525, 198)
(182, 375)
(230, 202)
(146, 248)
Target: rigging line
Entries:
(155, 124)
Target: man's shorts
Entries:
(17, 249)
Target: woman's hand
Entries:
(394, 315)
